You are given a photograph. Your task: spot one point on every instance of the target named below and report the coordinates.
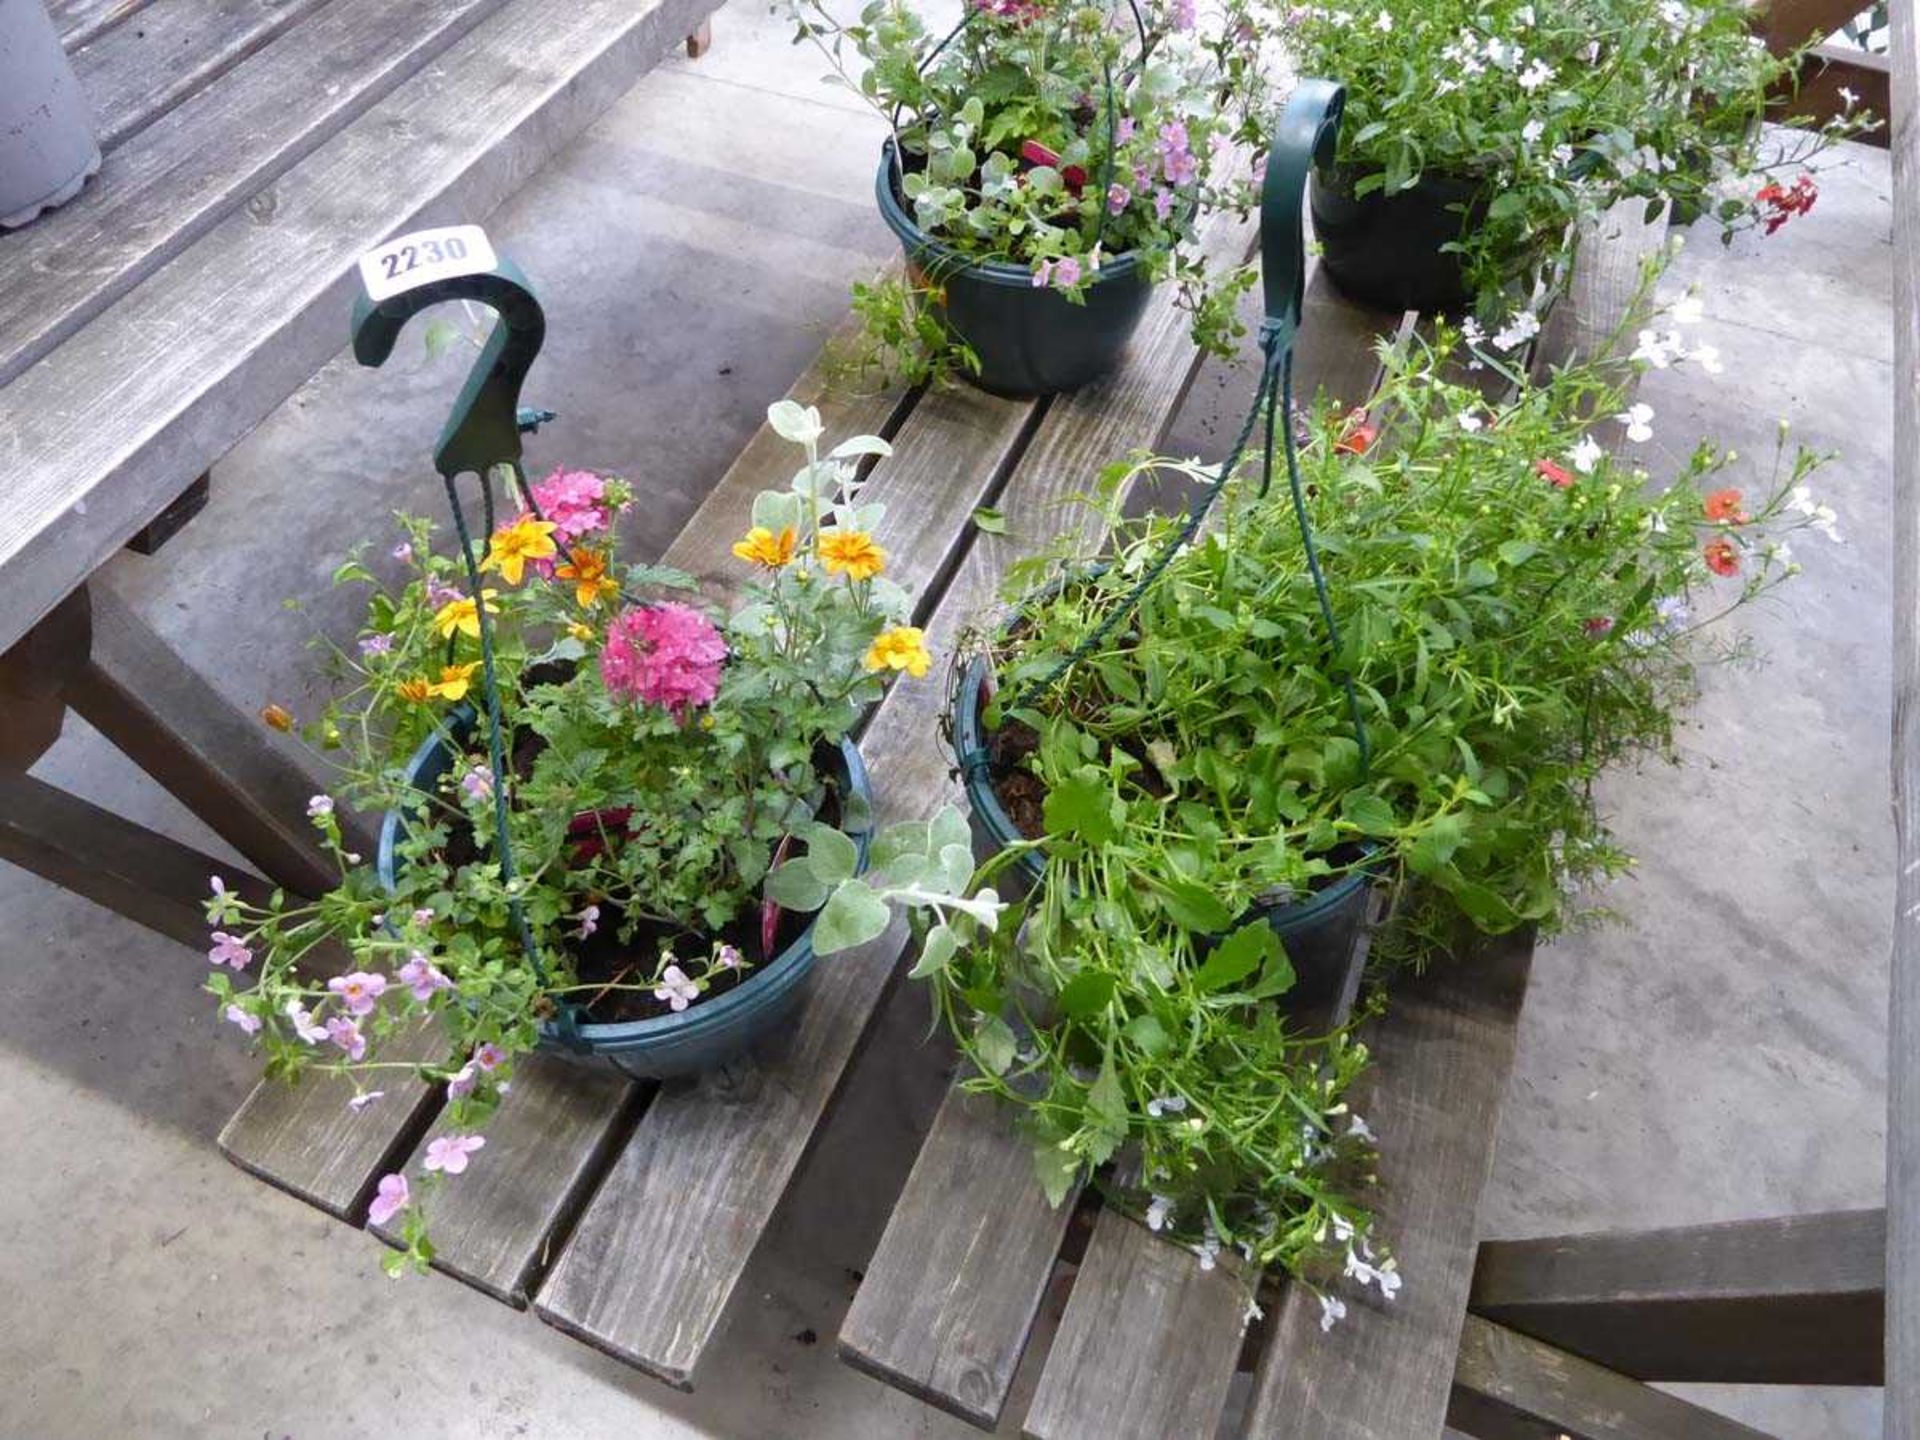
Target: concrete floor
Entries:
(1718, 1054)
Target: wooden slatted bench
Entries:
(253, 150)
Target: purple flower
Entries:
(303, 1025)
(1118, 198)
(450, 1152)
(1184, 14)
(219, 887)
(727, 957)
(1123, 132)
(1162, 203)
(461, 1085)
(439, 595)
(589, 919)
(390, 1200)
(676, 988)
(489, 1056)
(319, 806)
(229, 950)
(375, 644)
(403, 552)
(478, 783)
(421, 976)
(248, 1023)
(1066, 273)
(344, 1033)
(360, 1102)
(1042, 274)
(360, 992)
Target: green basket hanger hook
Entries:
(1307, 135)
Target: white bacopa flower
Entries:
(1342, 1229)
(1383, 23)
(1158, 1209)
(1848, 99)
(1469, 421)
(1563, 154)
(1780, 551)
(1657, 350)
(1388, 1279)
(1359, 1127)
(1707, 357)
(1587, 454)
(1332, 1311)
(1521, 327)
(1824, 520)
(1536, 74)
(1532, 131)
(1637, 418)
(1503, 55)
(1524, 17)
(1687, 310)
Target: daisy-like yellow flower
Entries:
(763, 547)
(903, 647)
(416, 691)
(454, 681)
(852, 553)
(579, 630)
(514, 545)
(463, 615)
(586, 570)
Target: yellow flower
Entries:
(454, 681)
(514, 545)
(851, 552)
(904, 647)
(463, 615)
(416, 691)
(579, 630)
(587, 569)
(763, 547)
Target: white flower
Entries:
(320, 805)
(1359, 1127)
(1587, 454)
(1687, 310)
(1388, 1279)
(1781, 552)
(303, 1024)
(1848, 99)
(1471, 332)
(1535, 75)
(1563, 154)
(1707, 357)
(1166, 1105)
(676, 988)
(1824, 520)
(1158, 1209)
(1533, 130)
(1209, 1253)
(1503, 55)
(1521, 327)
(1469, 421)
(1384, 23)
(1636, 419)
(1332, 1311)
(1657, 350)
(1524, 16)
(589, 919)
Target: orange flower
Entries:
(762, 547)
(1557, 475)
(852, 553)
(1721, 556)
(1358, 435)
(1723, 507)
(416, 691)
(903, 647)
(514, 545)
(587, 570)
(276, 717)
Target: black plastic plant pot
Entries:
(1029, 340)
(1384, 251)
(1318, 931)
(703, 1036)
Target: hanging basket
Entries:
(704, 1036)
(1387, 251)
(1030, 340)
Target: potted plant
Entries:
(674, 825)
(1478, 135)
(47, 149)
(1047, 164)
(1408, 665)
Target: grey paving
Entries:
(1718, 1053)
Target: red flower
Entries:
(1723, 507)
(1559, 475)
(1598, 624)
(1722, 558)
(1780, 203)
(1034, 153)
(1358, 435)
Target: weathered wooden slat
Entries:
(1441, 1058)
(134, 74)
(1903, 1066)
(133, 871)
(220, 764)
(560, 1126)
(100, 435)
(658, 1251)
(490, 1224)
(78, 21)
(1148, 1343)
(1828, 70)
(1789, 1301)
(173, 181)
(1509, 1387)
(496, 106)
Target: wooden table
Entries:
(625, 1213)
(254, 148)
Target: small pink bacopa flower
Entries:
(666, 655)
(390, 1200)
(359, 991)
(450, 1152)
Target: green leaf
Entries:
(1194, 907)
(852, 916)
(939, 948)
(1506, 204)
(1369, 814)
(1082, 805)
(1056, 1169)
(1148, 1033)
(990, 520)
(1435, 845)
(1088, 993)
(794, 886)
(1237, 957)
(1106, 1099)
(831, 856)
(994, 1045)
(1276, 977)
(1517, 552)
(439, 335)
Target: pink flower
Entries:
(1066, 273)
(390, 1200)
(1042, 274)
(1597, 624)
(439, 595)
(248, 1023)
(666, 655)
(1184, 14)
(450, 1152)
(478, 783)
(229, 950)
(344, 1033)
(375, 644)
(589, 919)
(403, 552)
(1162, 203)
(1123, 132)
(303, 1025)
(1118, 198)
(676, 988)
(360, 1102)
(727, 957)
(461, 1085)
(575, 501)
(359, 991)
(421, 976)
(423, 916)
(489, 1056)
